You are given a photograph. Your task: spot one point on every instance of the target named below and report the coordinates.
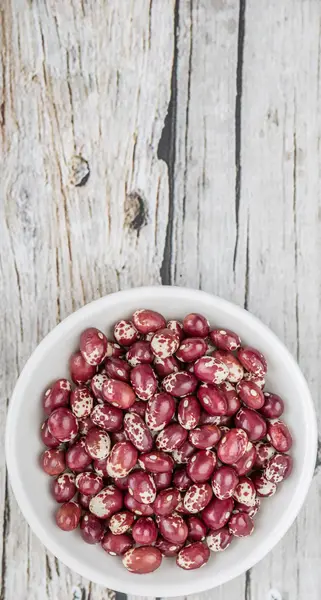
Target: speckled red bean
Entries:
(232, 446)
(249, 510)
(114, 350)
(263, 486)
(252, 360)
(118, 393)
(250, 394)
(183, 453)
(137, 432)
(209, 369)
(147, 321)
(231, 396)
(68, 516)
(48, 439)
(140, 353)
(64, 487)
(143, 381)
(125, 333)
(189, 412)
(278, 435)
(233, 365)
(122, 459)
(171, 438)
(219, 540)
(91, 529)
(164, 343)
(195, 325)
(166, 502)
(177, 327)
(193, 556)
(225, 339)
(166, 366)
(118, 436)
(246, 463)
(212, 399)
(98, 443)
(197, 497)
(144, 531)
(89, 483)
(96, 385)
(180, 384)
(196, 529)
(160, 410)
(163, 480)
(117, 545)
(142, 560)
(84, 501)
(217, 513)
(137, 507)
(278, 468)
(191, 349)
(252, 422)
(77, 457)
(167, 548)
(121, 522)
(224, 482)
(181, 480)
(81, 402)
(107, 417)
(56, 396)
(107, 502)
(93, 346)
(142, 487)
(80, 370)
(245, 491)
(63, 425)
(240, 525)
(117, 368)
(264, 451)
(201, 466)
(156, 462)
(53, 461)
(205, 437)
(273, 406)
(173, 528)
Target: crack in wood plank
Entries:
(238, 122)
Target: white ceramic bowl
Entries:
(31, 486)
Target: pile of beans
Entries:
(166, 443)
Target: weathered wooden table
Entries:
(199, 124)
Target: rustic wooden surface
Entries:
(200, 122)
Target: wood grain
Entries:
(200, 123)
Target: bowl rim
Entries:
(140, 586)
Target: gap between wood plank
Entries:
(167, 152)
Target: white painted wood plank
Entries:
(80, 78)
(204, 164)
(204, 220)
(281, 125)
